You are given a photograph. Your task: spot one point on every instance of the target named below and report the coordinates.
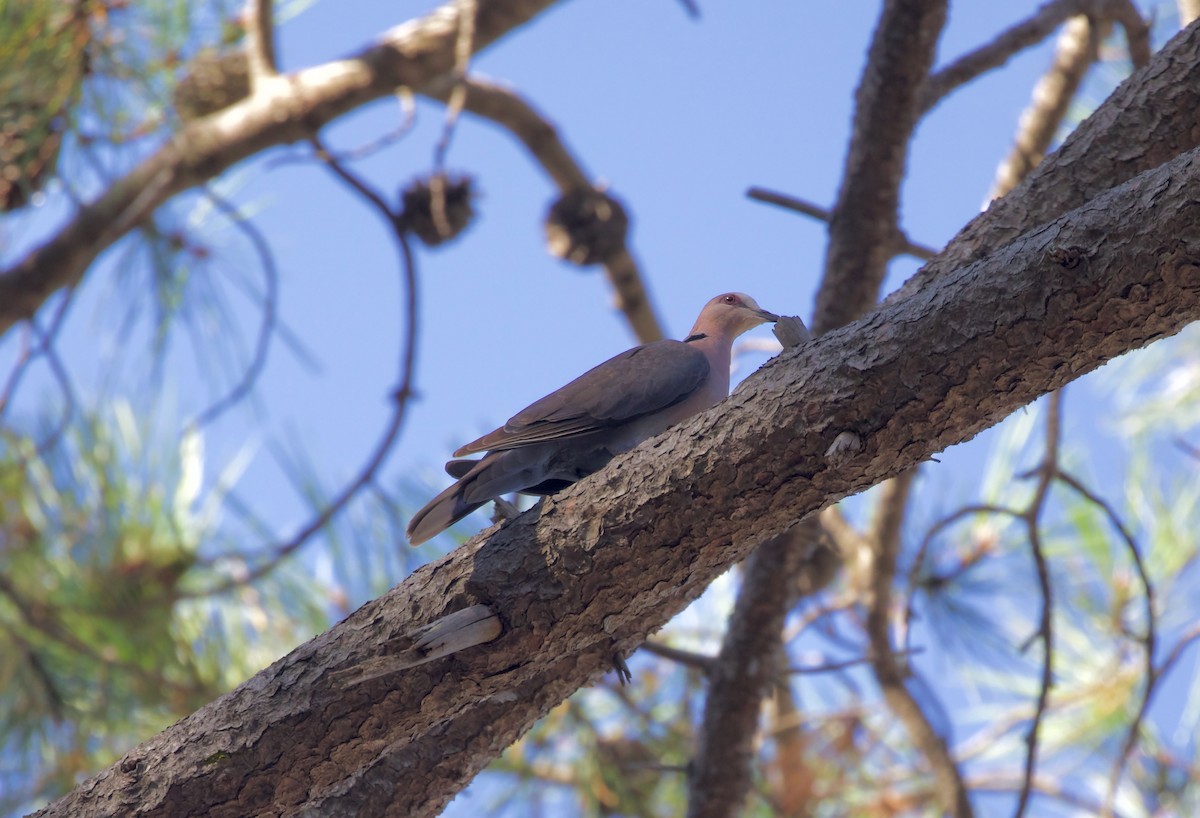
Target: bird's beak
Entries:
(769, 317)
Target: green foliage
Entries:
(104, 638)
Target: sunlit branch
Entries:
(1078, 47)
(260, 41)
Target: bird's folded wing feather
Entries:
(637, 382)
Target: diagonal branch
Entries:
(413, 55)
(904, 245)
(599, 566)
(1077, 48)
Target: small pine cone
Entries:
(214, 80)
(586, 226)
(437, 208)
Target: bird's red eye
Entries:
(730, 299)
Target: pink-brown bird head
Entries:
(729, 315)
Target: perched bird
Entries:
(577, 429)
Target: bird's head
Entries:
(730, 314)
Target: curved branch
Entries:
(511, 111)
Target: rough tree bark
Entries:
(603, 564)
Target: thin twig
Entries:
(698, 661)
(1045, 474)
(465, 11)
(64, 384)
(904, 245)
(1185, 640)
(831, 667)
(260, 41)
(266, 326)
(400, 395)
(1183, 445)
(1149, 641)
(890, 675)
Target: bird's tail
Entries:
(482, 482)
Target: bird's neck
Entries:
(716, 347)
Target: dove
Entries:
(574, 431)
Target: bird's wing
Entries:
(634, 384)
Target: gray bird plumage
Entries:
(576, 430)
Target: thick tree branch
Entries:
(745, 671)
(599, 566)
(862, 225)
(512, 112)
(1148, 120)
(412, 55)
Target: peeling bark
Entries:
(603, 564)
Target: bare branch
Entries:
(266, 327)
(699, 661)
(259, 18)
(511, 111)
(1045, 632)
(904, 245)
(401, 394)
(744, 672)
(465, 11)
(414, 55)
